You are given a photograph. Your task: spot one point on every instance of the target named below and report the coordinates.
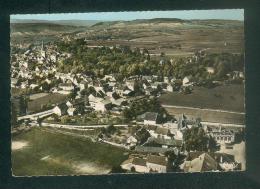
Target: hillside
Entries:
(168, 35)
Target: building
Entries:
(83, 85)
(71, 111)
(151, 163)
(60, 109)
(202, 163)
(66, 88)
(187, 81)
(210, 161)
(156, 163)
(169, 88)
(210, 70)
(135, 164)
(103, 105)
(223, 136)
(131, 141)
(150, 118)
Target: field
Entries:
(52, 98)
(172, 36)
(208, 115)
(50, 153)
(226, 97)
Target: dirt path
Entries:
(18, 145)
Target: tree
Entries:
(195, 139)
(117, 169)
(142, 135)
(45, 86)
(111, 129)
(13, 115)
(133, 169)
(23, 101)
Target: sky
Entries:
(227, 14)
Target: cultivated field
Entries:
(47, 153)
(172, 36)
(50, 99)
(208, 115)
(226, 97)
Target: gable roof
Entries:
(162, 131)
(216, 155)
(151, 116)
(160, 160)
(200, 164)
(135, 161)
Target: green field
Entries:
(226, 97)
(50, 153)
(52, 98)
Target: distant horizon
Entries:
(225, 14)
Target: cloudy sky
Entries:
(227, 14)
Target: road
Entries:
(77, 127)
(36, 115)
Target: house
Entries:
(14, 82)
(223, 136)
(119, 102)
(103, 105)
(110, 78)
(203, 162)
(131, 141)
(119, 89)
(60, 109)
(210, 70)
(130, 84)
(128, 93)
(116, 111)
(151, 149)
(225, 162)
(135, 164)
(148, 78)
(146, 85)
(33, 86)
(156, 163)
(83, 85)
(187, 81)
(69, 104)
(66, 88)
(166, 79)
(163, 133)
(162, 142)
(150, 118)
(71, 111)
(93, 100)
(150, 91)
(156, 85)
(169, 88)
(24, 84)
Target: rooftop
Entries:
(151, 116)
(160, 160)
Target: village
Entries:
(124, 113)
